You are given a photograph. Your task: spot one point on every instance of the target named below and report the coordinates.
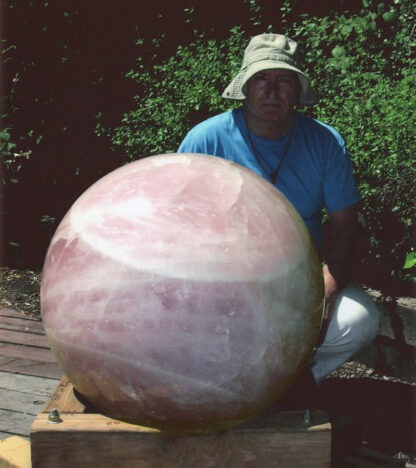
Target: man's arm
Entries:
(343, 229)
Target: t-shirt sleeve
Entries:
(194, 142)
(340, 187)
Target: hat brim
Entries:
(235, 90)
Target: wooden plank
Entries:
(83, 439)
(14, 400)
(21, 351)
(15, 423)
(21, 324)
(30, 367)
(112, 446)
(22, 338)
(6, 312)
(64, 399)
(21, 398)
(24, 348)
(285, 422)
(4, 435)
(27, 384)
(15, 452)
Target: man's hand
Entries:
(331, 291)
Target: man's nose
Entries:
(272, 88)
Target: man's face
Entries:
(272, 94)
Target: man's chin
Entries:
(273, 115)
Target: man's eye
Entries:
(286, 79)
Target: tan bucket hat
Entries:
(265, 52)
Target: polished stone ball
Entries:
(182, 292)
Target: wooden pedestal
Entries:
(81, 439)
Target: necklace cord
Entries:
(275, 173)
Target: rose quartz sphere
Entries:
(182, 292)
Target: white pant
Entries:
(354, 325)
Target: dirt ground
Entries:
(19, 290)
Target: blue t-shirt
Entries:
(316, 172)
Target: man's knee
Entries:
(358, 316)
(354, 325)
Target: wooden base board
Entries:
(14, 453)
(278, 439)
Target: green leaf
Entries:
(410, 261)
(4, 135)
(389, 16)
(338, 51)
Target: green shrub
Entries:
(363, 69)
(176, 94)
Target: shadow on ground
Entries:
(382, 407)
(382, 413)
(371, 399)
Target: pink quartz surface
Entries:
(182, 292)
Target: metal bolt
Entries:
(307, 417)
(53, 417)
